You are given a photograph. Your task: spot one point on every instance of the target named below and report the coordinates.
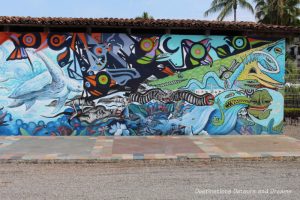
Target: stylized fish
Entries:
(237, 44)
(257, 66)
(57, 87)
(197, 53)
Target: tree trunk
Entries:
(235, 15)
(234, 9)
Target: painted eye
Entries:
(87, 84)
(210, 99)
(103, 79)
(198, 51)
(252, 71)
(239, 42)
(56, 41)
(91, 73)
(29, 39)
(146, 45)
(98, 51)
(278, 50)
(32, 40)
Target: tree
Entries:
(279, 12)
(226, 7)
(145, 15)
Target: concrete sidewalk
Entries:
(110, 149)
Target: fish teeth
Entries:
(169, 83)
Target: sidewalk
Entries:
(111, 149)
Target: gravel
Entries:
(151, 180)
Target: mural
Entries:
(117, 84)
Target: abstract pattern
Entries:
(118, 84)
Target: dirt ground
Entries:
(292, 131)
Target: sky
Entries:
(168, 9)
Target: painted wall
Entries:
(120, 84)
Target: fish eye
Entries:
(98, 51)
(198, 51)
(146, 44)
(252, 71)
(91, 73)
(180, 75)
(87, 84)
(278, 50)
(226, 76)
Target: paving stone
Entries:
(87, 149)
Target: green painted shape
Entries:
(235, 101)
(83, 132)
(199, 72)
(137, 109)
(145, 60)
(74, 133)
(24, 132)
(216, 120)
(260, 101)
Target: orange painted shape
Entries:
(112, 83)
(83, 39)
(73, 42)
(168, 71)
(95, 92)
(13, 55)
(61, 56)
(92, 79)
(19, 55)
(97, 37)
(4, 37)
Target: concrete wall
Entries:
(120, 84)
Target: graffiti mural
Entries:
(117, 84)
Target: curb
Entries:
(162, 160)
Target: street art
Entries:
(117, 84)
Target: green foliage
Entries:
(292, 74)
(145, 15)
(280, 12)
(292, 112)
(292, 90)
(226, 7)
